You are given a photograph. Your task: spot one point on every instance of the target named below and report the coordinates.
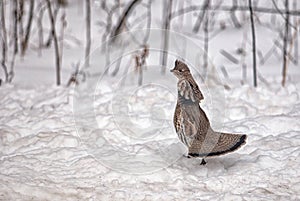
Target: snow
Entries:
(43, 158)
(109, 139)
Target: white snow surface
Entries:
(42, 157)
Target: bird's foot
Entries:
(203, 162)
(187, 156)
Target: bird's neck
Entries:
(185, 92)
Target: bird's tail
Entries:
(228, 143)
(218, 144)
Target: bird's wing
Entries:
(189, 123)
(197, 93)
(177, 117)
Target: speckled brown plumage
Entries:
(191, 123)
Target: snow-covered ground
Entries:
(43, 157)
(109, 139)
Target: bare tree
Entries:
(253, 43)
(54, 35)
(41, 9)
(4, 41)
(15, 25)
(62, 34)
(28, 27)
(20, 20)
(285, 43)
(206, 43)
(296, 50)
(166, 26)
(201, 16)
(88, 33)
(15, 36)
(57, 5)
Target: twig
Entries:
(292, 42)
(118, 64)
(253, 44)
(62, 34)
(233, 16)
(140, 60)
(229, 57)
(88, 33)
(280, 48)
(166, 27)
(263, 80)
(282, 14)
(75, 75)
(296, 21)
(206, 44)
(123, 18)
(201, 16)
(224, 71)
(243, 57)
(285, 43)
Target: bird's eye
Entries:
(180, 70)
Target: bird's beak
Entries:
(172, 70)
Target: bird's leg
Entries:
(203, 162)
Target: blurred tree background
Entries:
(34, 26)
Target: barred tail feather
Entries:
(226, 143)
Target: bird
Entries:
(191, 123)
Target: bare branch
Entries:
(15, 34)
(55, 13)
(201, 16)
(253, 44)
(20, 20)
(28, 27)
(41, 9)
(206, 45)
(88, 32)
(229, 56)
(233, 16)
(123, 18)
(165, 40)
(285, 43)
(4, 41)
(229, 9)
(54, 35)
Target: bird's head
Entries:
(180, 70)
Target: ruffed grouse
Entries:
(191, 123)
